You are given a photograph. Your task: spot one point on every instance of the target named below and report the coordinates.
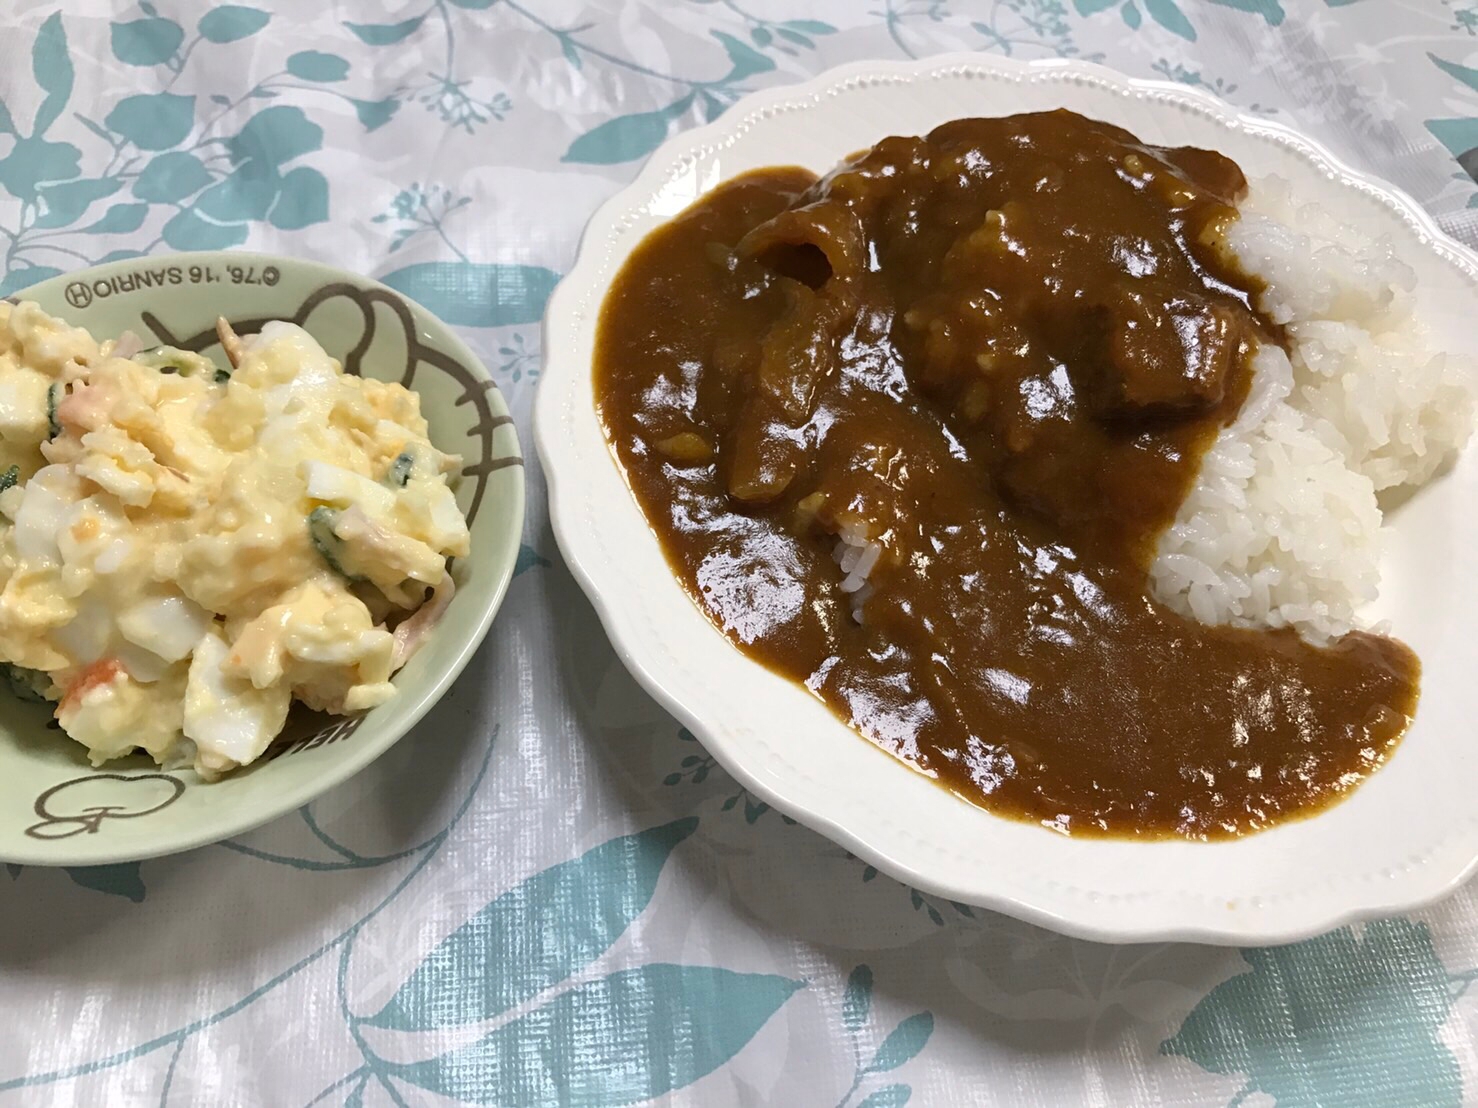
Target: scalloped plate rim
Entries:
(1056, 912)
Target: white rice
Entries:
(1282, 528)
(857, 554)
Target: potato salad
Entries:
(187, 547)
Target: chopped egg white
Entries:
(186, 549)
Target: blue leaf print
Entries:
(1458, 135)
(386, 34)
(315, 65)
(24, 277)
(274, 136)
(627, 137)
(375, 113)
(857, 1000)
(1131, 15)
(1463, 73)
(153, 121)
(34, 163)
(904, 1042)
(189, 230)
(120, 219)
(7, 123)
(635, 1035)
(231, 23)
(747, 61)
(101, 132)
(1271, 11)
(302, 200)
(1167, 15)
(472, 295)
(1091, 7)
(64, 203)
(473, 5)
(146, 42)
(889, 1096)
(119, 880)
(535, 935)
(51, 63)
(1332, 1021)
(171, 177)
(246, 194)
(713, 107)
(810, 26)
(528, 558)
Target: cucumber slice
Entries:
(54, 395)
(400, 471)
(170, 359)
(329, 546)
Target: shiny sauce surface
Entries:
(990, 359)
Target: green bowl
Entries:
(55, 809)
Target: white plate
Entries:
(1406, 837)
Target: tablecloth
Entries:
(549, 893)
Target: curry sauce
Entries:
(983, 365)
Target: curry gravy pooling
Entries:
(997, 352)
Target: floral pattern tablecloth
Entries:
(549, 893)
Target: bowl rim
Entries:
(560, 387)
(357, 755)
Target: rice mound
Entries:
(1282, 527)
